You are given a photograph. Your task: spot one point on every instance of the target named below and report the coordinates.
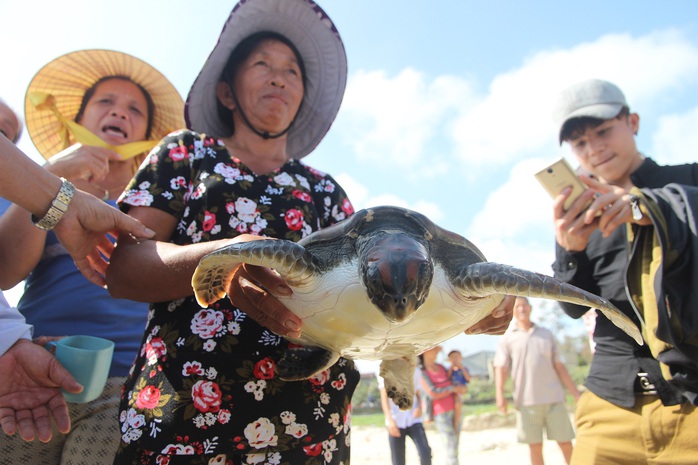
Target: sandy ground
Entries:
(493, 446)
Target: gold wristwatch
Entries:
(58, 207)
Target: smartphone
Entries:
(559, 175)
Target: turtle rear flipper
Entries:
(300, 363)
(398, 375)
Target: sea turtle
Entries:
(385, 284)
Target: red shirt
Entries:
(440, 379)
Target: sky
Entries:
(448, 103)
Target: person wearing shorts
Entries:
(529, 352)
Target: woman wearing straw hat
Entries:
(93, 114)
(203, 389)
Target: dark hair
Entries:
(575, 127)
(91, 91)
(241, 53)
(454, 351)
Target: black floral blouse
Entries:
(204, 383)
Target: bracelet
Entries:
(58, 207)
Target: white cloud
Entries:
(357, 192)
(676, 138)
(441, 127)
(360, 198)
(514, 119)
(518, 205)
(397, 121)
(514, 226)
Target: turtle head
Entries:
(397, 272)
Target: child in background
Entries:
(459, 376)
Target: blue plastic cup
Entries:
(88, 359)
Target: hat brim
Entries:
(69, 76)
(315, 37)
(598, 111)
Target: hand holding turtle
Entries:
(497, 322)
(248, 291)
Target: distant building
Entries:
(479, 364)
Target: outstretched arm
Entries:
(157, 270)
(82, 228)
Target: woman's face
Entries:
(269, 86)
(117, 112)
(9, 124)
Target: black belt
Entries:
(643, 386)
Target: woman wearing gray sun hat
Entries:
(204, 384)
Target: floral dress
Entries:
(203, 388)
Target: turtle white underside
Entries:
(338, 316)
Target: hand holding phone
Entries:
(559, 175)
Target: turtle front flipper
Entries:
(398, 375)
(214, 272)
(487, 278)
(300, 363)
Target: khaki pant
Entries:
(649, 433)
(93, 438)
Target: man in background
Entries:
(529, 352)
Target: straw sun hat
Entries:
(315, 37)
(69, 76)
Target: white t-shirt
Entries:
(12, 325)
(403, 418)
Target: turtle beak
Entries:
(398, 276)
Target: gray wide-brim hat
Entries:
(592, 98)
(315, 37)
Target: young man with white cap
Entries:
(631, 414)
